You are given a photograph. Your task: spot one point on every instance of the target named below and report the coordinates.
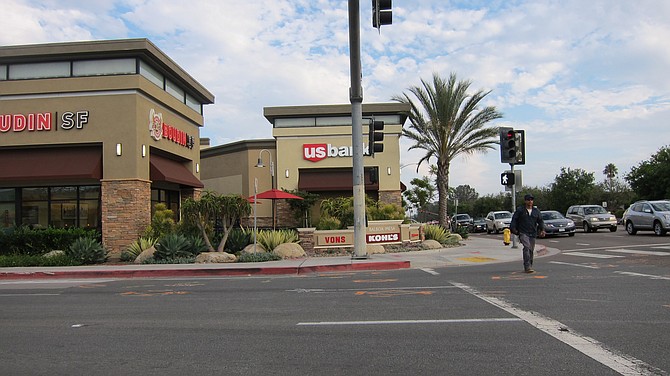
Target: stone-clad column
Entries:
(126, 212)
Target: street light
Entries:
(272, 179)
(272, 165)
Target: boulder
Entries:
(145, 255)
(215, 258)
(250, 248)
(432, 244)
(374, 248)
(289, 250)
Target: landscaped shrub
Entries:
(162, 222)
(436, 232)
(29, 241)
(173, 246)
(36, 260)
(238, 238)
(87, 251)
(137, 247)
(327, 222)
(257, 257)
(272, 238)
(197, 244)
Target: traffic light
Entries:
(507, 179)
(512, 146)
(375, 137)
(381, 13)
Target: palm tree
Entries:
(610, 172)
(446, 122)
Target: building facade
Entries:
(94, 134)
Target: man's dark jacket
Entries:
(523, 223)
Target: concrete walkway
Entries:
(476, 250)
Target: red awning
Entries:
(58, 163)
(164, 169)
(333, 179)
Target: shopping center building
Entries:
(95, 134)
(92, 134)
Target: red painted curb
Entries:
(200, 272)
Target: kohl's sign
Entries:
(43, 121)
(319, 152)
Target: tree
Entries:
(422, 193)
(610, 172)
(446, 122)
(571, 187)
(210, 208)
(651, 178)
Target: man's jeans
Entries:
(528, 243)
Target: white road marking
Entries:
(429, 271)
(622, 363)
(393, 322)
(594, 255)
(29, 294)
(644, 275)
(570, 264)
(662, 247)
(634, 252)
(582, 244)
(373, 289)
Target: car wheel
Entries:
(571, 234)
(658, 229)
(587, 228)
(613, 229)
(630, 229)
(496, 230)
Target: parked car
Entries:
(478, 225)
(591, 217)
(556, 224)
(649, 216)
(461, 220)
(497, 221)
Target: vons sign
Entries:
(319, 152)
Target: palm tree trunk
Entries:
(443, 192)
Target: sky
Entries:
(588, 81)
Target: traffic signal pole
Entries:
(356, 98)
(511, 166)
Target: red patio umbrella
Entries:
(275, 194)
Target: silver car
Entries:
(497, 221)
(648, 215)
(592, 217)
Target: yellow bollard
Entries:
(507, 236)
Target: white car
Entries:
(497, 221)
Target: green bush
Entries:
(29, 241)
(238, 238)
(173, 246)
(327, 222)
(197, 244)
(137, 247)
(162, 222)
(436, 232)
(272, 238)
(36, 260)
(87, 251)
(257, 257)
(176, 260)
(463, 232)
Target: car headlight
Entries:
(667, 217)
(571, 223)
(593, 219)
(549, 225)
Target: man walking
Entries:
(527, 223)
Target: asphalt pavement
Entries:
(475, 250)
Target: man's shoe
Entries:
(529, 270)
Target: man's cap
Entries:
(528, 197)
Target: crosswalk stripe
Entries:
(634, 252)
(594, 255)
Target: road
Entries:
(600, 307)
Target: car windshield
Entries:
(551, 215)
(595, 210)
(661, 206)
(503, 215)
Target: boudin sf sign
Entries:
(42, 121)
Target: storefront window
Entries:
(167, 197)
(7, 207)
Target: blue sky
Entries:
(587, 80)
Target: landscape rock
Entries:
(289, 250)
(432, 244)
(215, 258)
(374, 248)
(145, 255)
(53, 253)
(250, 248)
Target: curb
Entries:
(153, 273)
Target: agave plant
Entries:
(272, 238)
(173, 246)
(436, 232)
(87, 251)
(140, 245)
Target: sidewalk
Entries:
(475, 250)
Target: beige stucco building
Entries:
(93, 134)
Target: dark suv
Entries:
(648, 215)
(461, 221)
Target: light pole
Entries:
(272, 177)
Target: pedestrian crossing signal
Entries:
(507, 178)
